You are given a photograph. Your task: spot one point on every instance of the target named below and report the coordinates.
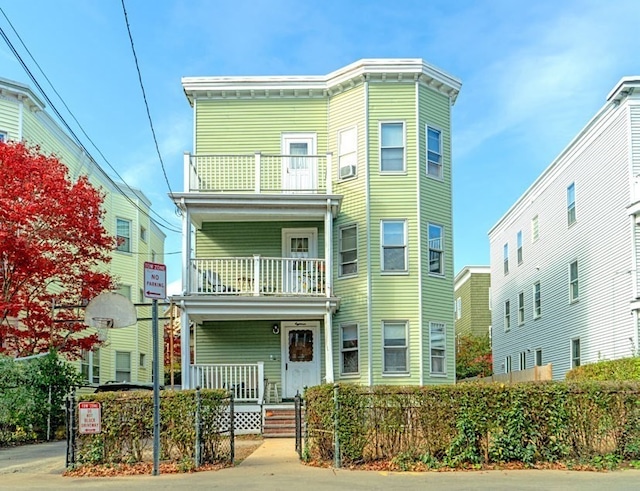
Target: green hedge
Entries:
(621, 369)
(474, 424)
(127, 427)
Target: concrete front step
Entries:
(279, 423)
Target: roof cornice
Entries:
(376, 69)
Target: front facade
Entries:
(564, 258)
(317, 230)
(472, 310)
(127, 353)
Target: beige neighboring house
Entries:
(127, 353)
(472, 304)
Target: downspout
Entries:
(368, 228)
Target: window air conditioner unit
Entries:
(347, 171)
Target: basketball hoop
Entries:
(102, 325)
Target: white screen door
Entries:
(298, 244)
(298, 162)
(300, 356)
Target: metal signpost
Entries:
(155, 287)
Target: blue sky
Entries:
(533, 73)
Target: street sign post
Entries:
(155, 287)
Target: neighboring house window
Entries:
(507, 315)
(349, 349)
(3, 136)
(507, 364)
(347, 152)
(521, 308)
(436, 249)
(537, 304)
(575, 352)
(539, 357)
(153, 256)
(571, 203)
(519, 244)
(123, 366)
(123, 234)
(90, 366)
(143, 360)
(125, 291)
(434, 152)
(391, 147)
(505, 258)
(574, 290)
(437, 338)
(535, 229)
(143, 234)
(394, 245)
(395, 347)
(523, 360)
(458, 307)
(348, 239)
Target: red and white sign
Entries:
(89, 414)
(155, 280)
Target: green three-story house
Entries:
(317, 230)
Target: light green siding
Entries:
(10, 117)
(475, 315)
(247, 126)
(436, 207)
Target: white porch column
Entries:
(328, 249)
(187, 172)
(185, 343)
(328, 345)
(186, 251)
(329, 173)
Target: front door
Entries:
(300, 356)
(298, 163)
(298, 244)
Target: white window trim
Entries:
(458, 308)
(535, 229)
(573, 299)
(535, 359)
(406, 348)
(508, 366)
(343, 374)
(404, 147)
(354, 153)
(441, 250)
(115, 365)
(571, 358)
(522, 360)
(572, 216)
(505, 259)
(519, 251)
(521, 316)
(406, 248)
(507, 315)
(444, 357)
(440, 151)
(130, 222)
(537, 315)
(340, 229)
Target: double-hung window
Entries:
(123, 366)
(123, 234)
(348, 247)
(574, 290)
(507, 315)
(458, 308)
(436, 249)
(434, 153)
(575, 352)
(505, 258)
(571, 203)
(395, 347)
(394, 245)
(523, 361)
(507, 364)
(347, 152)
(90, 365)
(520, 308)
(392, 147)
(535, 229)
(3, 137)
(537, 304)
(437, 343)
(519, 245)
(539, 357)
(349, 349)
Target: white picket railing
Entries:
(258, 276)
(244, 380)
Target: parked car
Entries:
(113, 386)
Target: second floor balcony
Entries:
(258, 173)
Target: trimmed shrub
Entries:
(620, 369)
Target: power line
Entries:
(144, 97)
(73, 134)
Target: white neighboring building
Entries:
(564, 258)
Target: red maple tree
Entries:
(53, 252)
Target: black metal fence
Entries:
(196, 428)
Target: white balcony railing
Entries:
(258, 276)
(258, 173)
(244, 380)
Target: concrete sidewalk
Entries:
(275, 466)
